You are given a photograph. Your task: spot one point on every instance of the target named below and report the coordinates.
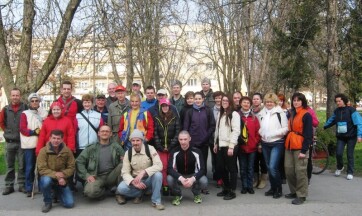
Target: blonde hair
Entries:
(135, 95)
(271, 97)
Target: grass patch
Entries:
(2, 159)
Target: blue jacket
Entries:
(148, 103)
(346, 116)
(86, 134)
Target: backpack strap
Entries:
(67, 106)
(279, 118)
(90, 124)
(147, 150)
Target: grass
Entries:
(2, 159)
(331, 140)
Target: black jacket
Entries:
(165, 135)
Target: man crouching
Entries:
(141, 172)
(55, 165)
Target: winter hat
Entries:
(56, 103)
(33, 95)
(137, 134)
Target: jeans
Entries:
(196, 187)
(273, 153)
(351, 144)
(29, 163)
(63, 192)
(246, 165)
(13, 152)
(154, 182)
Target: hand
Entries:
(301, 156)
(59, 175)
(139, 185)
(189, 182)
(62, 182)
(259, 149)
(230, 152)
(139, 177)
(215, 148)
(91, 179)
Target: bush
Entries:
(327, 136)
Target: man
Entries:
(207, 91)
(150, 98)
(55, 165)
(100, 164)
(117, 109)
(111, 94)
(186, 168)
(101, 107)
(10, 123)
(136, 88)
(141, 171)
(31, 121)
(236, 99)
(177, 100)
(155, 109)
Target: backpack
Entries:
(244, 134)
(147, 149)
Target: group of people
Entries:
(134, 145)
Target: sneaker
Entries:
(177, 200)
(158, 206)
(46, 207)
(197, 199)
(290, 196)
(120, 199)
(298, 201)
(8, 190)
(349, 177)
(338, 172)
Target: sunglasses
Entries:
(34, 101)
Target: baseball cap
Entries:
(136, 83)
(162, 91)
(165, 101)
(120, 88)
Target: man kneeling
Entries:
(186, 167)
(100, 165)
(55, 165)
(141, 172)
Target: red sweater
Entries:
(253, 126)
(64, 124)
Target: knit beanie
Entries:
(137, 134)
(33, 95)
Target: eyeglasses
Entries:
(34, 101)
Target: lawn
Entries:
(2, 158)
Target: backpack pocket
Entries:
(341, 127)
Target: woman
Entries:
(226, 148)
(273, 128)
(167, 127)
(189, 102)
(88, 122)
(260, 168)
(296, 149)
(135, 118)
(200, 123)
(248, 150)
(348, 131)
(216, 110)
(283, 104)
(56, 120)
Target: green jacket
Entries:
(49, 162)
(87, 161)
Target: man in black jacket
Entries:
(186, 168)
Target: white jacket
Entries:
(271, 129)
(228, 134)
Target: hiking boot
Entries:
(229, 196)
(298, 201)
(8, 190)
(278, 193)
(22, 189)
(222, 193)
(158, 206)
(46, 207)
(120, 199)
(290, 196)
(270, 192)
(243, 191)
(263, 181)
(250, 191)
(177, 200)
(197, 199)
(137, 200)
(349, 177)
(338, 172)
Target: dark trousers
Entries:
(205, 152)
(227, 167)
(260, 162)
(351, 144)
(14, 152)
(246, 165)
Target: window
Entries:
(192, 82)
(83, 84)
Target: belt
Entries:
(12, 141)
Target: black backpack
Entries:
(147, 149)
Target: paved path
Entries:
(328, 195)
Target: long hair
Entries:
(299, 96)
(228, 111)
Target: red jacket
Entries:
(63, 124)
(70, 112)
(253, 126)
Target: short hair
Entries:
(246, 98)
(258, 94)
(16, 89)
(343, 97)
(150, 88)
(217, 94)
(67, 82)
(176, 82)
(199, 93)
(105, 126)
(300, 96)
(189, 94)
(87, 97)
(271, 97)
(57, 132)
(184, 132)
(239, 92)
(135, 95)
